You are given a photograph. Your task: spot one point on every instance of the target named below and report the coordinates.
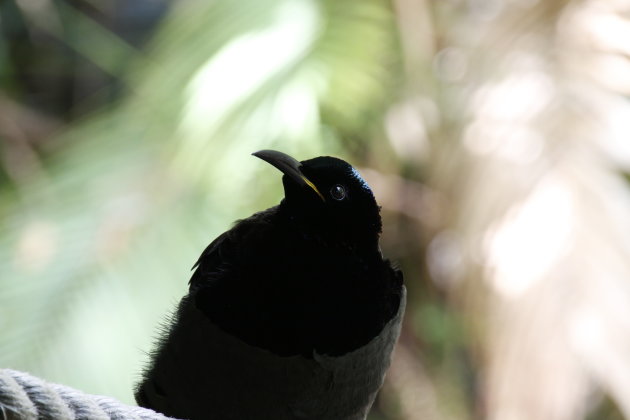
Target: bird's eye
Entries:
(338, 192)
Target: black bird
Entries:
(291, 314)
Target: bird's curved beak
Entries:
(288, 166)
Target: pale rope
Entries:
(26, 397)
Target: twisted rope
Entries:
(26, 397)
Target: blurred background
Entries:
(495, 134)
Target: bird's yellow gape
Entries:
(310, 184)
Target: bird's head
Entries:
(328, 194)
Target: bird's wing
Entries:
(210, 249)
(227, 247)
(210, 259)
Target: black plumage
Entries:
(292, 313)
